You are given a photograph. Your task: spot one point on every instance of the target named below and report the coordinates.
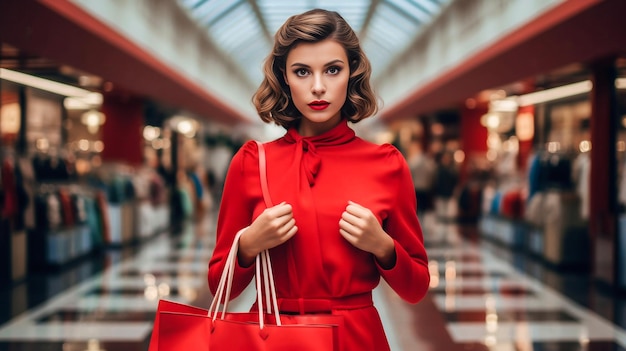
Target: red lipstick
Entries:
(319, 104)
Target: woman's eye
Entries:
(301, 72)
(334, 70)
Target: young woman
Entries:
(345, 209)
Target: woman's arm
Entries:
(409, 277)
(236, 210)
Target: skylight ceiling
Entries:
(244, 29)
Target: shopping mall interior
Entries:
(119, 119)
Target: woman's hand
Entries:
(271, 228)
(360, 227)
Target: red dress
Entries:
(318, 176)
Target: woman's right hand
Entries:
(271, 228)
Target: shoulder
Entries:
(386, 150)
(249, 148)
(386, 154)
(391, 151)
(247, 155)
(396, 159)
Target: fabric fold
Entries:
(306, 147)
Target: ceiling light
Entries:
(75, 104)
(506, 105)
(150, 133)
(43, 84)
(184, 125)
(561, 92)
(93, 120)
(490, 120)
(77, 98)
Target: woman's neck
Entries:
(310, 129)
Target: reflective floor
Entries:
(482, 297)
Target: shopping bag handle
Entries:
(264, 276)
(267, 264)
(225, 284)
(263, 175)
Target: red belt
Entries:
(306, 305)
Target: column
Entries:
(122, 130)
(603, 201)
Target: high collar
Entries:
(339, 134)
(306, 147)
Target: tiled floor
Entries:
(482, 297)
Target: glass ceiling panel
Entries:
(381, 38)
(396, 17)
(411, 9)
(430, 6)
(240, 23)
(249, 43)
(395, 33)
(229, 36)
(207, 11)
(238, 31)
(354, 12)
(276, 12)
(230, 23)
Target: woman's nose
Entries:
(318, 85)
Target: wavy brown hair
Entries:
(272, 98)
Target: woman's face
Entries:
(317, 75)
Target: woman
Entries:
(345, 208)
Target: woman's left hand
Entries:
(360, 227)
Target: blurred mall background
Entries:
(118, 119)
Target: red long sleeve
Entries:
(410, 277)
(238, 200)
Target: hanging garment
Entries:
(53, 211)
(67, 209)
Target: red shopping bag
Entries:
(180, 327)
(168, 316)
(233, 335)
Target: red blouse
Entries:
(318, 176)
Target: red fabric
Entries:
(318, 176)
(175, 310)
(66, 205)
(513, 204)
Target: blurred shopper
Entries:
(345, 209)
(423, 169)
(446, 180)
(581, 172)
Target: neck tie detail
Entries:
(307, 147)
(311, 160)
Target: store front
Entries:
(550, 97)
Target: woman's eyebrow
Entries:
(298, 64)
(334, 62)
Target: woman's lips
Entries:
(319, 105)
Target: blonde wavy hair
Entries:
(272, 98)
